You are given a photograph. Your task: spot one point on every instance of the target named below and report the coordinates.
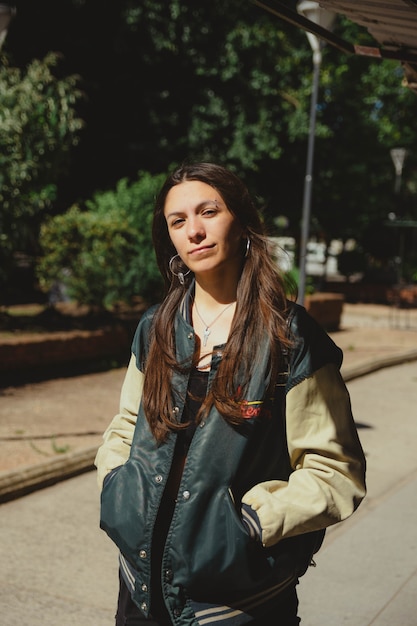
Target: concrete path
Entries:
(59, 568)
(367, 569)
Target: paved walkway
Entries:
(59, 568)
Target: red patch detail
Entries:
(249, 410)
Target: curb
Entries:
(356, 371)
(17, 483)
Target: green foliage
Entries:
(38, 126)
(291, 281)
(368, 111)
(168, 80)
(246, 97)
(219, 86)
(104, 254)
(290, 278)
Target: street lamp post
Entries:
(313, 12)
(398, 156)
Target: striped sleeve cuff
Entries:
(251, 521)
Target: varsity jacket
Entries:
(294, 467)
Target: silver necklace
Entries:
(207, 330)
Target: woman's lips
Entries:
(200, 250)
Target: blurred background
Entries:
(99, 100)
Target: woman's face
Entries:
(204, 232)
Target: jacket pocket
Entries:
(222, 558)
(123, 511)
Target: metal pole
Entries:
(308, 181)
(398, 156)
(7, 13)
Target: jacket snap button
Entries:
(186, 495)
(144, 587)
(144, 607)
(190, 336)
(158, 478)
(168, 575)
(175, 410)
(177, 612)
(143, 554)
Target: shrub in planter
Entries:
(104, 254)
(326, 308)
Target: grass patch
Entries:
(24, 310)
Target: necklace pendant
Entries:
(205, 336)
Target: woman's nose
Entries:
(195, 229)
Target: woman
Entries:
(235, 444)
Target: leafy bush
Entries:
(292, 280)
(38, 127)
(104, 254)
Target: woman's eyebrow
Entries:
(206, 203)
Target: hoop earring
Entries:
(181, 276)
(248, 242)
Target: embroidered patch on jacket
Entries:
(254, 409)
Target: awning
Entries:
(392, 24)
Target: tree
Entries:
(38, 126)
(367, 111)
(168, 80)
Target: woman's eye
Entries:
(209, 212)
(177, 222)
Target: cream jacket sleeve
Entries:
(117, 438)
(328, 481)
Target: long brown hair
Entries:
(260, 308)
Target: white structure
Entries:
(316, 262)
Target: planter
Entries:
(326, 309)
(34, 353)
